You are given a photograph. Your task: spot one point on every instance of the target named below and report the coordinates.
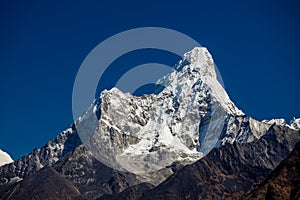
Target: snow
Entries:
(279, 121)
(294, 123)
(162, 128)
(181, 123)
(5, 158)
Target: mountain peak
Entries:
(197, 72)
(182, 123)
(200, 60)
(5, 158)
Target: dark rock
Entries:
(45, 184)
(283, 183)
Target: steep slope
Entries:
(5, 158)
(283, 183)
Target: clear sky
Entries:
(255, 44)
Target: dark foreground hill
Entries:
(283, 182)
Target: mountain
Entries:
(283, 182)
(190, 116)
(190, 131)
(5, 158)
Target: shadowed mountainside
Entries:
(283, 182)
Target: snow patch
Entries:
(5, 158)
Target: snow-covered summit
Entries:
(191, 115)
(5, 158)
(200, 60)
(198, 66)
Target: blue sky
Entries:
(42, 45)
